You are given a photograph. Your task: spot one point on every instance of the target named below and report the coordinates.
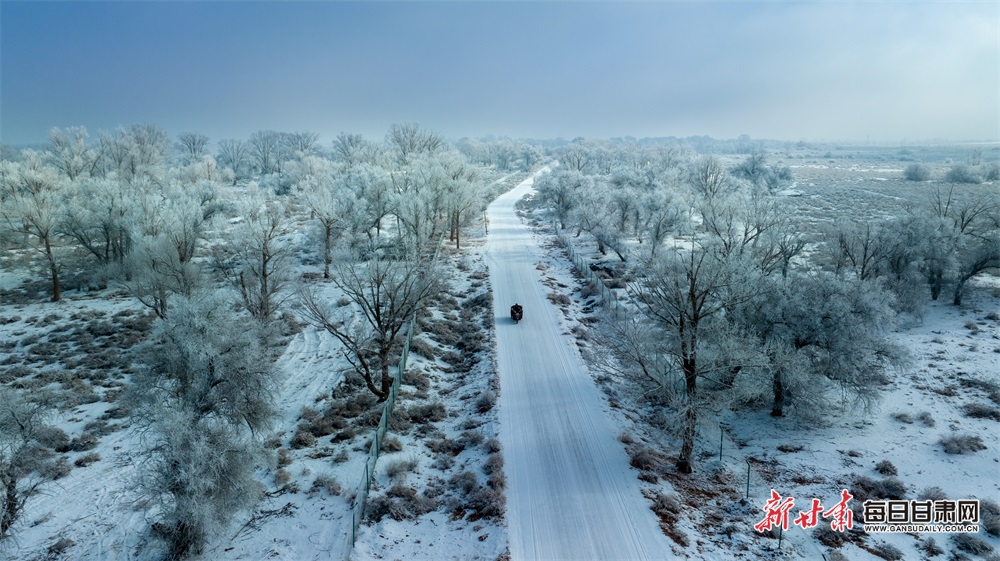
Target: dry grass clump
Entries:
(971, 544)
(445, 446)
(926, 419)
(391, 444)
(961, 444)
(885, 467)
(989, 516)
(400, 502)
(866, 488)
(302, 438)
(981, 411)
(86, 460)
(326, 482)
(932, 494)
(486, 402)
(903, 417)
(931, 548)
(399, 469)
(668, 509)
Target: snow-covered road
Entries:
(571, 493)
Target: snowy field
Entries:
(525, 441)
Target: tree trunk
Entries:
(778, 385)
(54, 270)
(684, 464)
(328, 234)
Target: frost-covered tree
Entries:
(255, 257)
(352, 149)
(235, 154)
(71, 154)
(560, 189)
(23, 455)
(387, 293)
(201, 399)
(161, 264)
(406, 140)
(685, 294)
(821, 334)
(191, 146)
(99, 216)
(265, 151)
(138, 152)
(33, 197)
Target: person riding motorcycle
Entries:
(516, 312)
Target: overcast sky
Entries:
(892, 71)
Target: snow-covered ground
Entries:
(566, 443)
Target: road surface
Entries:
(570, 491)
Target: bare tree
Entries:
(234, 154)
(300, 144)
(683, 294)
(387, 293)
(192, 146)
(265, 151)
(709, 179)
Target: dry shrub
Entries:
(931, 548)
(445, 446)
(303, 438)
(960, 444)
(494, 464)
(887, 552)
(398, 469)
(427, 413)
(926, 419)
(493, 445)
(932, 494)
(981, 411)
(487, 504)
(284, 457)
(472, 438)
(84, 461)
(391, 444)
(84, 442)
(282, 477)
(903, 417)
(989, 516)
(825, 535)
(885, 467)
(866, 488)
(559, 299)
(326, 482)
(486, 402)
(971, 544)
(400, 502)
(463, 482)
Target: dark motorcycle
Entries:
(516, 312)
